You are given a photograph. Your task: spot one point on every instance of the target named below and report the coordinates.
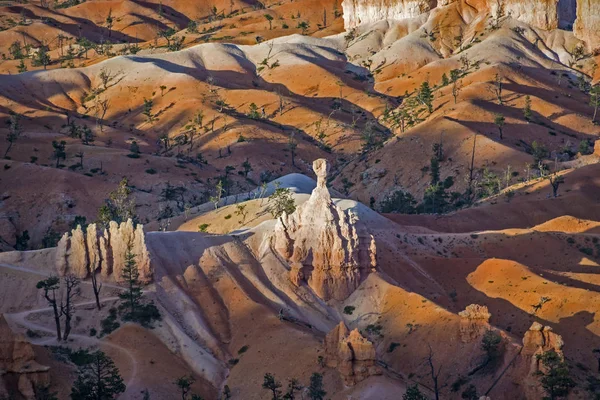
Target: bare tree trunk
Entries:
(97, 289)
(471, 170)
(434, 374)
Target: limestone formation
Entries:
(538, 340)
(358, 12)
(588, 22)
(79, 253)
(474, 322)
(351, 354)
(18, 369)
(93, 247)
(77, 257)
(542, 14)
(326, 247)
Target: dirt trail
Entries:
(20, 319)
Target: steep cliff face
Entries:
(587, 25)
(358, 12)
(80, 252)
(325, 246)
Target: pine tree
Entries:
(556, 381)
(499, 121)
(271, 384)
(14, 131)
(527, 113)
(132, 297)
(41, 58)
(425, 96)
(315, 390)
(98, 380)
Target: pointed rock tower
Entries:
(325, 246)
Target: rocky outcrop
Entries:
(80, 253)
(540, 339)
(474, 322)
(587, 25)
(543, 14)
(18, 369)
(326, 247)
(536, 341)
(351, 354)
(358, 12)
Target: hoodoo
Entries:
(325, 246)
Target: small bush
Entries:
(151, 171)
(349, 310)
(93, 331)
(243, 349)
(203, 227)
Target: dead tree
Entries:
(434, 374)
(97, 288)
(50, 286)
(555, 181)
(67, 308)
(497, 87)
(471, 171)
